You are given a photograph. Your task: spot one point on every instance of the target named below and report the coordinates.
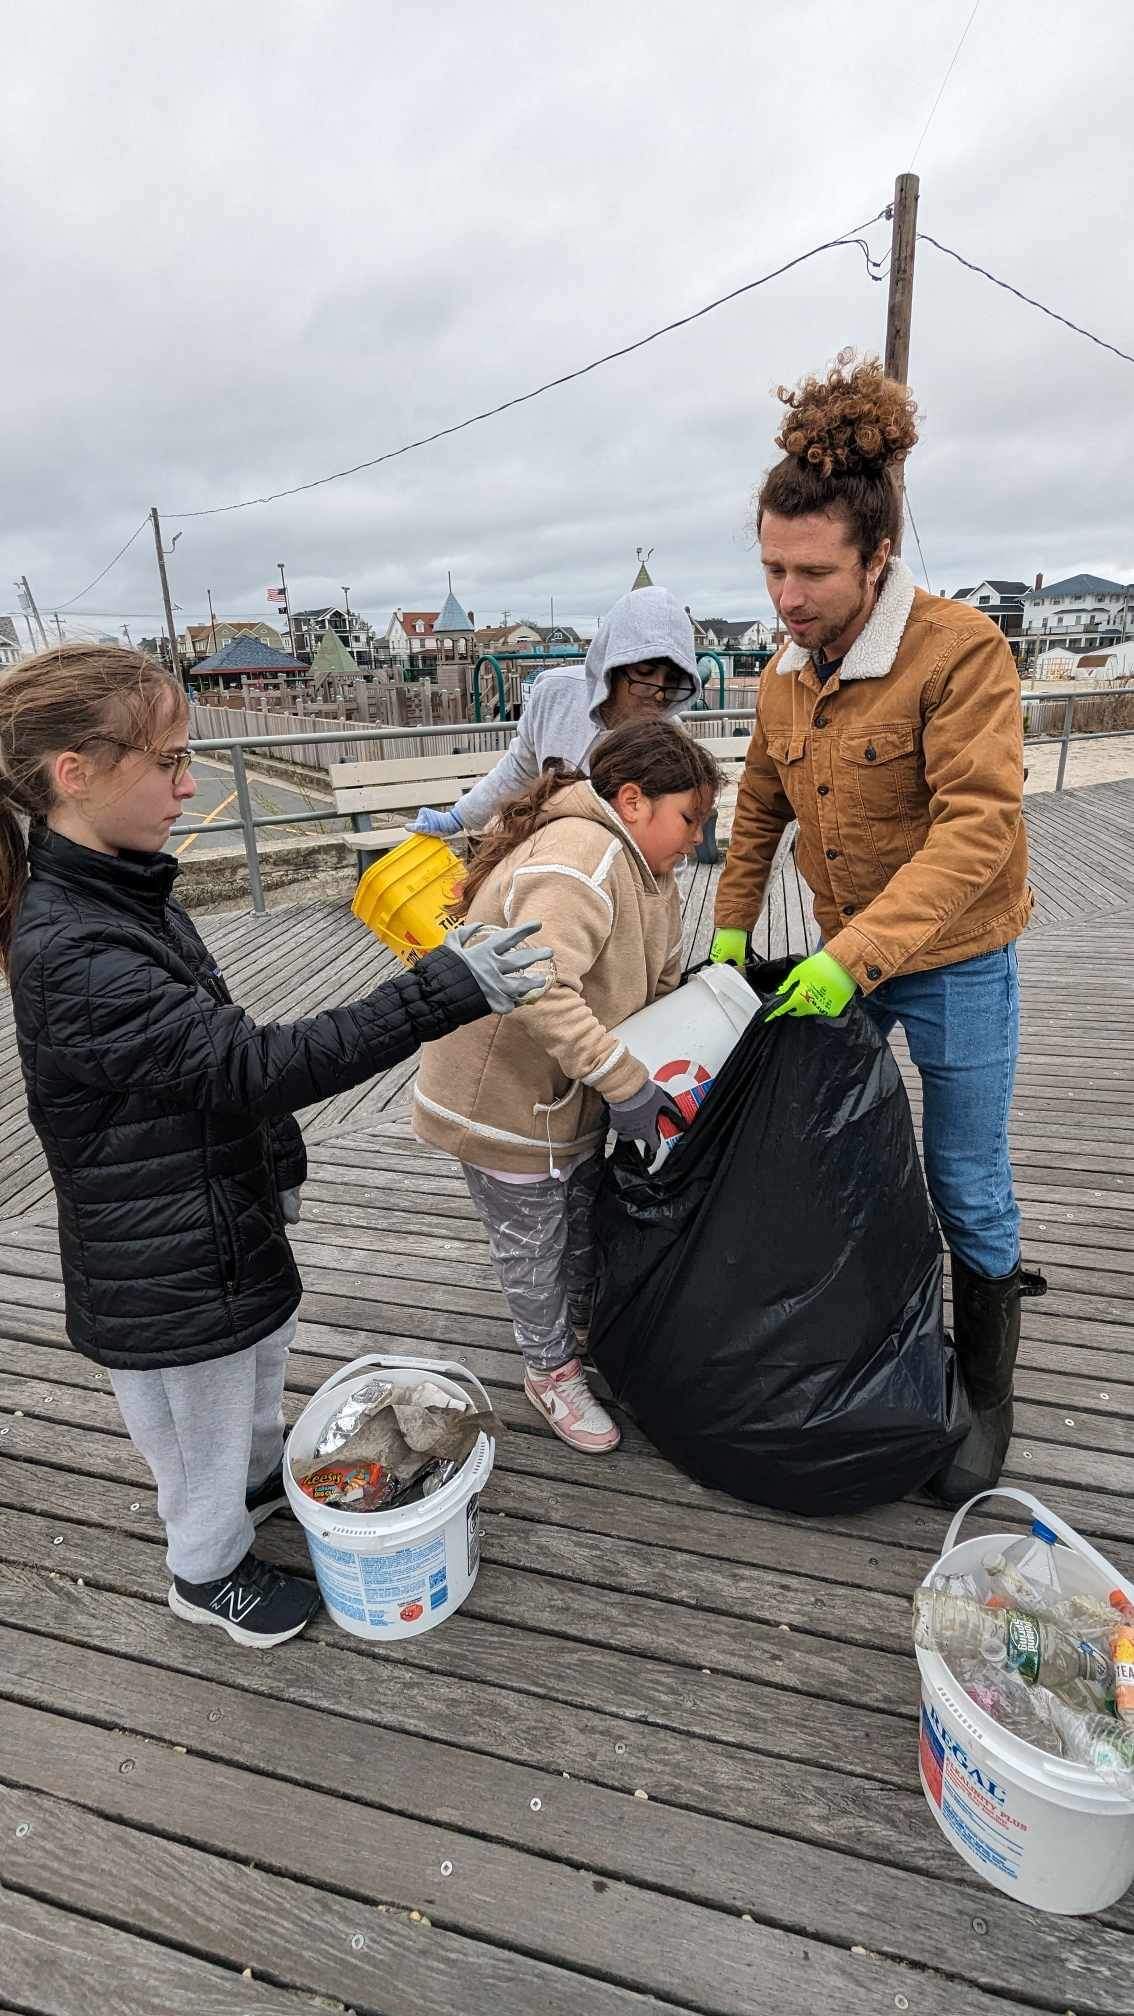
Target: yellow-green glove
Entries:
(817, 986)
(729, 947)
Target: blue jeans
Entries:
(962, 1025)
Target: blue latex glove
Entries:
(290, 1206)
(639, 1118)
(442, 825)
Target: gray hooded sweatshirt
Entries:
(562, 717)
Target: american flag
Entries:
(277, 595)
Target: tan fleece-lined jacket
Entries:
(524, 1092)
(906, 774)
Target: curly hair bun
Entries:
(853, 422)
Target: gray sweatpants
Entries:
(541, 1237)
(210, 1433)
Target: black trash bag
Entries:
(770, 1302)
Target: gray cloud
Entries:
(247, 246)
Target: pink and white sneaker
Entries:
(566, 1402)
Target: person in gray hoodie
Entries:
(642, 663)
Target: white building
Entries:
(1083, 612)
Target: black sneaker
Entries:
(257, 1604)
(268, 1497)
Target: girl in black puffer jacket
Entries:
(166, 1114)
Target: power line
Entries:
(105, 571)
(944, 81)
(552, 384)
(1009, 289)
(917, 538)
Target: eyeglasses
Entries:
(175, 761)
(671, 686)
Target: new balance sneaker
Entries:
(257, 1604)
(566, 1402)
(268, 1497)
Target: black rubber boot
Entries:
(986, 1332)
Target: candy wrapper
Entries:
(351, 1487)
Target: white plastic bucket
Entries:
(391, 1574)
(1043, 1829)
(684, 1038)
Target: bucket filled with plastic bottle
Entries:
(1025, 1646)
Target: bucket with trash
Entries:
(407, 897)
(1025, 1646)
(384, 1470)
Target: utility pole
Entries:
(899, 307)
(212, 622)
(287, 608)
(29, 603)
(170, 626)
(59, 626)
(126, 634)
(346, 599)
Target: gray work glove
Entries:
(501, 973)
(639, 1118)
(289, 1205)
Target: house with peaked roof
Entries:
(1081, 612)
(410, 640)
(720, 633)
(1002, 602)
(202, 640)
(9, 641)
(353, 632)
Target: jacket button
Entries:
(848, 909)
(824, 789)
(874, 972)
(832, 853)
(820, 721)
(871, 753)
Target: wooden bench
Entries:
(405, 784)
(402, 784)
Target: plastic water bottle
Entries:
(1002, 1694)
(1098, 1740)
(1033, 1555)
(959, 1628)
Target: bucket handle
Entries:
(448, 1367)
(1052, 1520)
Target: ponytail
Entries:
(656, 755)
(516, 821)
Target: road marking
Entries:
(215, 813)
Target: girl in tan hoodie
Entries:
(525, 1102)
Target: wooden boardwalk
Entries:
(665, 1757)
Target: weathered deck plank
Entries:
(630, 1633)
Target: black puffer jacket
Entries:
(165, 1113)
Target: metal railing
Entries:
(702, 724)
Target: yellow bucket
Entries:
(406, 897)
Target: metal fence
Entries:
(378, 743)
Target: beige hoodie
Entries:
(524, 1093)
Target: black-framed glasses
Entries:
(671, 686)
(176, 761)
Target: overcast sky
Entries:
(245, 246)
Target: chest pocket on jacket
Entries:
(879, 778)
(786, 752)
